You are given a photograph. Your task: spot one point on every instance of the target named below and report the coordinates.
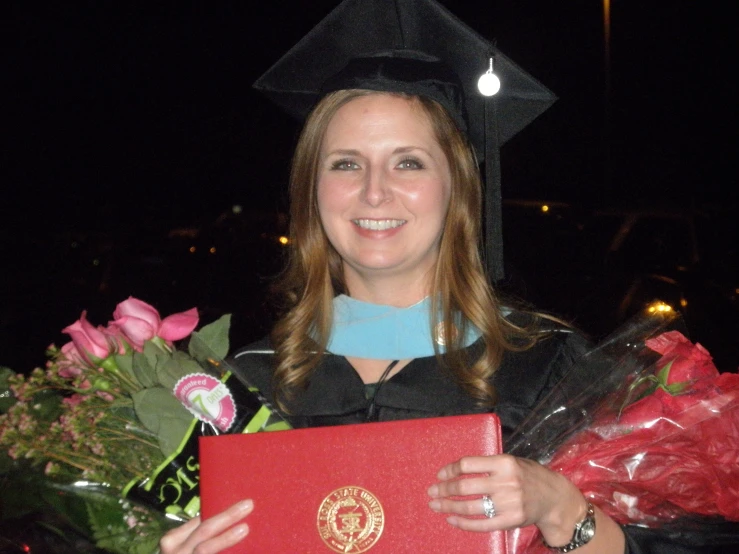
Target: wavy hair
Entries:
(460, 290)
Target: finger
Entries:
(221, 522)
(210, 535)
(466, 486)
(468, 507)
(469, 515)
(220, 542)
(473, 464)
(178, 535)
(480, 525)
(474, 507)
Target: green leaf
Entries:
(171, 432)
(125, 364)
(156, 403)
(106, 517)
(145, 545)
(212, 340)
(676, 389)
(145, 373)
(123, 409)
(175, 369)
(664, 374)
(648, 384)
(121, 403)
(108, 522)
(155, 354)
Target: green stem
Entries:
(109, 364)
(129, 424)
(161, 343)
(127, 436)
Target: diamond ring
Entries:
(488, 507)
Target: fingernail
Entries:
(435, 505)
(245, 505)
(240, 530)
(433, 490)
(441, 474)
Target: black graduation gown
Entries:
(335, 395)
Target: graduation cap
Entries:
(418, 47)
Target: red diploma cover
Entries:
(350, 488)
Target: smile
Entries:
(379, 224)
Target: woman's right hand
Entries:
(209, 536)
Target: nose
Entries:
(377, 190)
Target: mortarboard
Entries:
(419, 47)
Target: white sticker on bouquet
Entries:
(207, 398)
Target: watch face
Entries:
(587, 531)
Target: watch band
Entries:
(583, 534)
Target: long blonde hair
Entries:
(460, 290)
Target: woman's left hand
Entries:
(523, 493)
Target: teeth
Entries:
(379, 224)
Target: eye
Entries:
(344, 165)
(410, 163)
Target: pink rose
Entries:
(116, 338)
(139, 322)
(89, 341)
(691, 362)
(70, 363)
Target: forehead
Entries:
(381, 112)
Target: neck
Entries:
(399, 292)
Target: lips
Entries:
(379, 224)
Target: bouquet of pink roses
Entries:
(113, 418)
(647, 428)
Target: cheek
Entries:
(326, 198)
(332, 194)
(432, 199)
(332, 203)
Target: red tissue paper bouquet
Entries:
(645, 426)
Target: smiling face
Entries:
(383, 191)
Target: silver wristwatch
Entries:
(584, 532)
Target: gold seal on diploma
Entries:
(350, 519)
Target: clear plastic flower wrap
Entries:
(645, 425)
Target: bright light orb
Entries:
(659, 307)
(488, 84)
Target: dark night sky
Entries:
(127, 116)
(148, 105)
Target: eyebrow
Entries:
(353, 152)
(404, 149)
(342, 152)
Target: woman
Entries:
(388, 311)
(385, 202)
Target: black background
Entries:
(126, 121)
